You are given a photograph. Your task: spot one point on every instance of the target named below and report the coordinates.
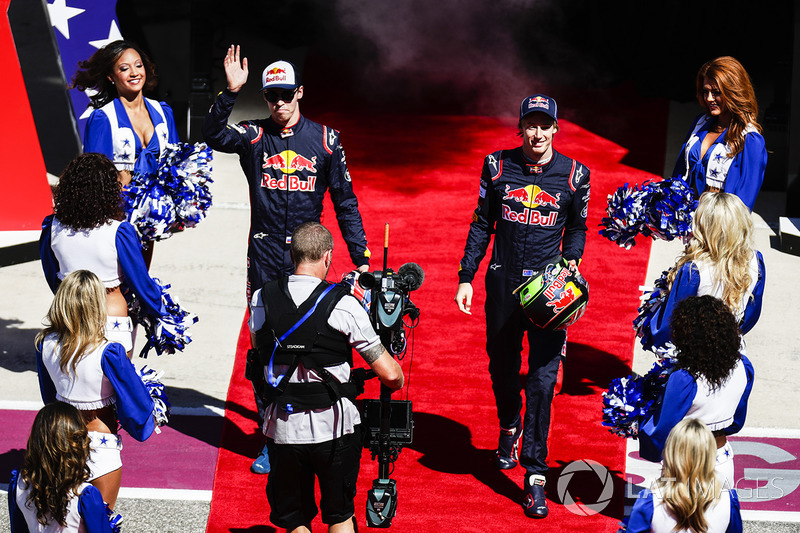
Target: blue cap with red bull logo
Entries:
(280, 75)
(541, 103)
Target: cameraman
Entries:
(311, 422)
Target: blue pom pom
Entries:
(651, 304)
(629, 401)
(161, 407)
(658, 209)
(165, 334)
(114, 519)
(626, 215)
(175, 196)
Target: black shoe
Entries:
(535, 502)
(508, 447)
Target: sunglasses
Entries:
(274, 96)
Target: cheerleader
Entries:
(78, 365)
(720, 261)
(724, 150)
(712, 381)
(689, 496)
(51, 494)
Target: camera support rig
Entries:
(395, 426)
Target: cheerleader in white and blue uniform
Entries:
(134, 133)
(50, 494)
(724, 150)
(79, 366)
(719, 261)
(712, 381)
(688, 496)
(87, 233)
(129, 129)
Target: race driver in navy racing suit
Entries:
(289, 162)
(534, 200)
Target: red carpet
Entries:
(25, 197)
(420, 174)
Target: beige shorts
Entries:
(120, 329)
(105, 456)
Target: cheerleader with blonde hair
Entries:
(689, 496)
(79, 366)
(720, 261)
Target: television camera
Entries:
(388, 424)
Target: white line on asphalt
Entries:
(205, 410)
(770, 516)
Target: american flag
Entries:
(82, 27)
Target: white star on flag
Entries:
(113, 35)
(60, 14)
(89, 109)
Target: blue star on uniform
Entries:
(166, 136)
(719, 157)
(116, 324)
(124, 156)
(126, 142)
(714, 173)
(104, 440)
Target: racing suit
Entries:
(288, 171)
(538, 214)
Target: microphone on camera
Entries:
(411, 276)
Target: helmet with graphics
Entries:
(554, 297)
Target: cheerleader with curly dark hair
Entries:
(88, 232)
(51, 492)
(712, 380)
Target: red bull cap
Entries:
(541, 103)
(280, 75)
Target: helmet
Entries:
(351, 281)
(555, 297)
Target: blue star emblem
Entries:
(126, 142)
(715, 173)
(104, 441)
(727, 453)
(719, 157)
(124, 156)
(116, 324)
(165, 135)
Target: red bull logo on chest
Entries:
(532, 196)
(288, 162)
(529, 216)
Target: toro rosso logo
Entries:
(288, 162)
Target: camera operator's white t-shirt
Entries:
(317, 425)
